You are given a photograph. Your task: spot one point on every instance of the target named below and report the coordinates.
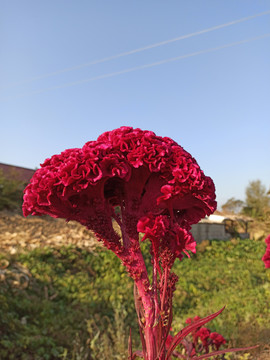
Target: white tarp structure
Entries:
(219, 227)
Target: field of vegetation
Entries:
(62, 296)
(67, 302)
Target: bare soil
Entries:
(18, 233)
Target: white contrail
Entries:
(182, 37)
(116, 73)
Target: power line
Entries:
(148, 47)
(161, 62)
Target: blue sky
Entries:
(215, 104)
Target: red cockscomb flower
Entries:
(135, 170)
(204, 334)
(266, 256)
(217, 340)
(144, 183)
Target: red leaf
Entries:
(167, 329)
(140, 314)
(205, 356)
(188, 329)
(130, 356)
(143, 342)
(139, 354)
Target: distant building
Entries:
(19, 173)
(221, 228)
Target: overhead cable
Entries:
(148, 47)
(141, 67)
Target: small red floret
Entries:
(266, 256)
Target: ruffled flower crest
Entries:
(128, 169)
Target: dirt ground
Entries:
(259, 230)
(19, 233)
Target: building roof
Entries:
(220, 219)
(14, 172)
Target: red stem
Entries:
(164, 288)
(155, 291)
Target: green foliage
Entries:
(233, 206)
(79, 305)
(70, 291)
(257, 200)
(226, 273)
(11, 192)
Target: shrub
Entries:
(11, 192)
(78, 303)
